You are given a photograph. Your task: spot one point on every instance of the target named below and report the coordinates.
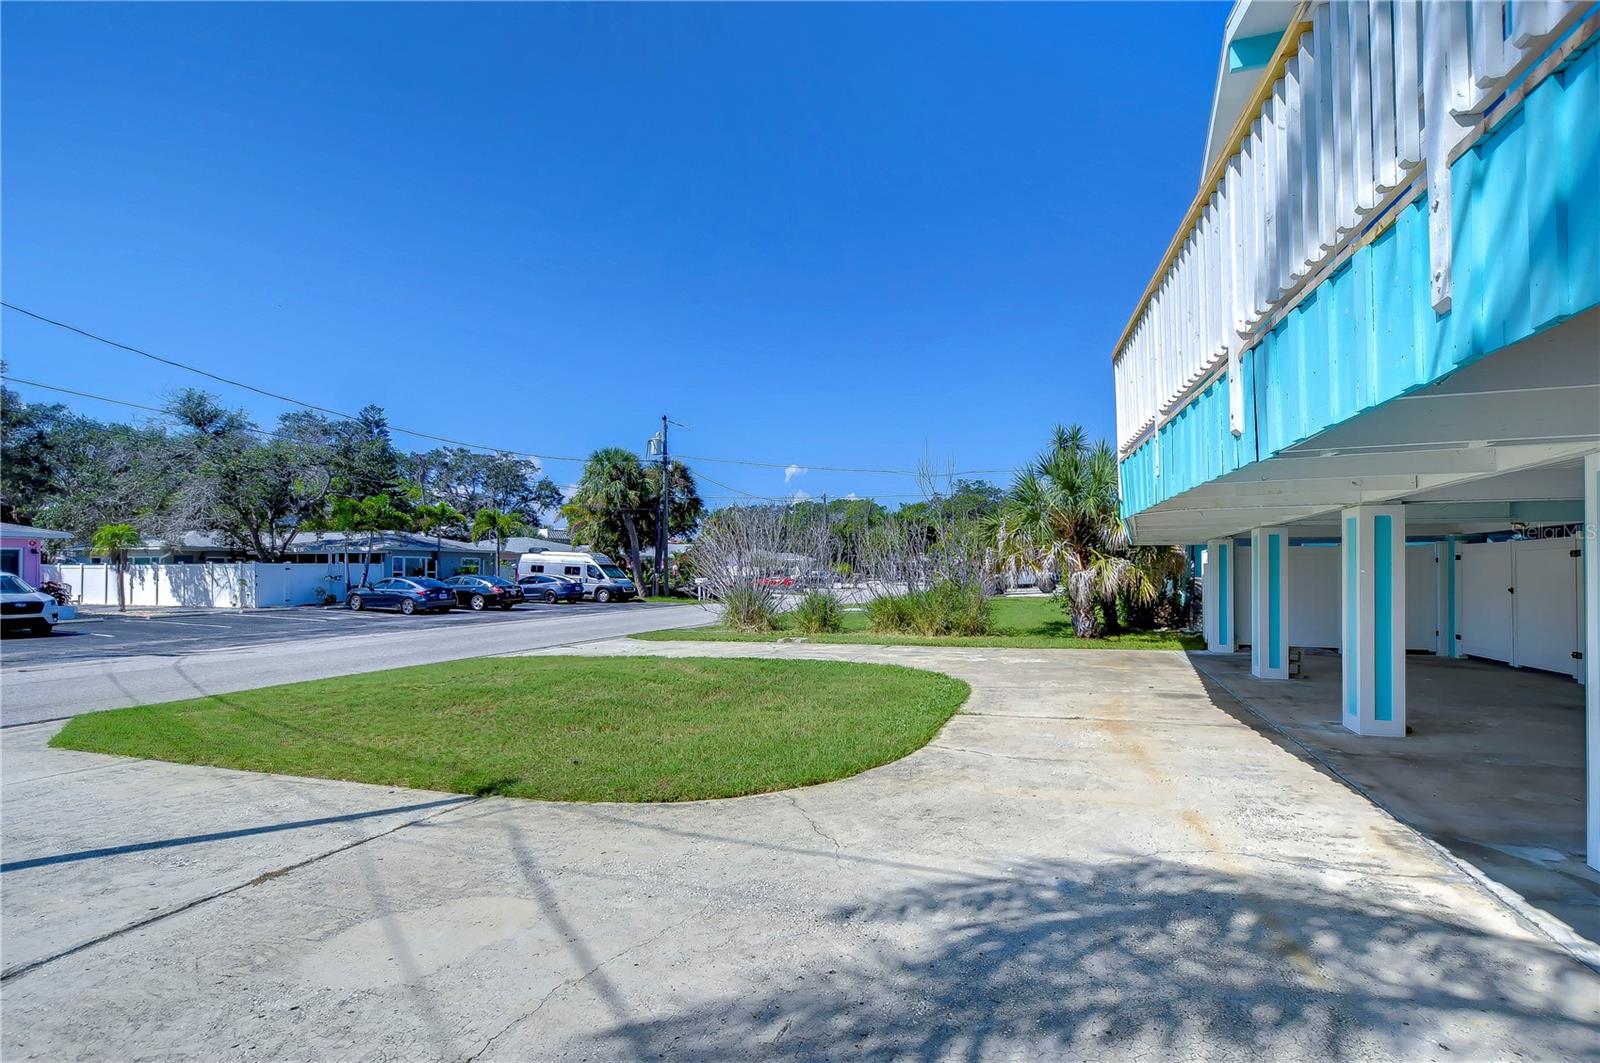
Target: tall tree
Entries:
(114, 473)
(365, 461)
(613, 498)
(30, 437)
(114, 541)
(471, 481)
(255, 492)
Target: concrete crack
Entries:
(569, 983)
(838, 849)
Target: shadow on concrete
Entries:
(224, 835)
(1054, 959)
(1491, 769)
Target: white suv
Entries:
(24, 609)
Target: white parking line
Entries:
(180, 623)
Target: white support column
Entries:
(1590, 537)
(1373, 639)
(1217, 596)
(1269, 603)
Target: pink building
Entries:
(22, 548)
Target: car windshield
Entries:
(613, 571)
(10, 584)
(425, 582)
(498, 581)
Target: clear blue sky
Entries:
(826, 235)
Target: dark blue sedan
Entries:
(552, 589)
(479, 592)
(409, 595)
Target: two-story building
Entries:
(1364, 379)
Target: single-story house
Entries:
(22, 548)
(391, 553)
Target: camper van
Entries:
(602, 579)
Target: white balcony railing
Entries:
(1364, 106)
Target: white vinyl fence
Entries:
(207, 585)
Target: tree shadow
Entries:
(1054, 959)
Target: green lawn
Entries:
(557, 728)
(1029, 623)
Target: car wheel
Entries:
(43, 628)
(407, 606)
(475, 603)
(550, 597)
(355, 603)
(602, 596)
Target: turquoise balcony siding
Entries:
(1526, 230)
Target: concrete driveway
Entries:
(1095, 859)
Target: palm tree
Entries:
(613, 493)
(372, 514)
(1062, 518)
(434, 518)
(114, 541)
(496, 524)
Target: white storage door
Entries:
(1545, 605)
(1422, 597)
(1483, 600)
(1243, 601)
(1314, 589)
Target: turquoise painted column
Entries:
(1269, 603)
(1590, 537)
(1449, 642)
(1216, 596)
(1372, 576)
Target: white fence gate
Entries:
(1518, 602)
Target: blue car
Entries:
(552, 589)
(409, 595)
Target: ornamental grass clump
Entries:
(819, 613)
(949, 607)
(748, 609)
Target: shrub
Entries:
(748, 609)
(819, 613)
(947, 608)
(889, 616)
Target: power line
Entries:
(279, 397)
(155, 410)
(835, 468)
(737, 495)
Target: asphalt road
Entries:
(102, 635)
(113, 661)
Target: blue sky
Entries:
(856, 236)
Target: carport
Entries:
(1491, 768)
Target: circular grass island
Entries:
(554, 728)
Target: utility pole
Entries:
(660, 580)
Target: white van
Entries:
(602, 579)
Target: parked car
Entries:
(407, 594)
(551, 589)
(480, 592)
(602, 579)
(23, 609)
